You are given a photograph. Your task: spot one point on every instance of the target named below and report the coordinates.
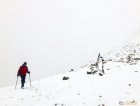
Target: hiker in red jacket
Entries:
(22, 73)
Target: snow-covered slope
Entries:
(120, 85)
(128, 53)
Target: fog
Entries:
(53, 36)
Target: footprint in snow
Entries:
(11, 97)
(33, 96)
(135, 71)
(78, 93)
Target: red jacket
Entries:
(22, 70)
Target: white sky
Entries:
(54, 36)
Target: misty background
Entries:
(53, 36)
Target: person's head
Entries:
(25, 63)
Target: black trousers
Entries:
(22, 80)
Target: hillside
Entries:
(119, 86)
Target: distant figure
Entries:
(22, 73)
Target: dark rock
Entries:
(100, 74)
(65, 78)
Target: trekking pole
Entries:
(16, 82)
(30, 80)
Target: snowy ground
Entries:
(120, 85)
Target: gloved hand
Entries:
(29, 72)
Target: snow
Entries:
(119, 86)
(80, 90)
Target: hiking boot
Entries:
(22, 87)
